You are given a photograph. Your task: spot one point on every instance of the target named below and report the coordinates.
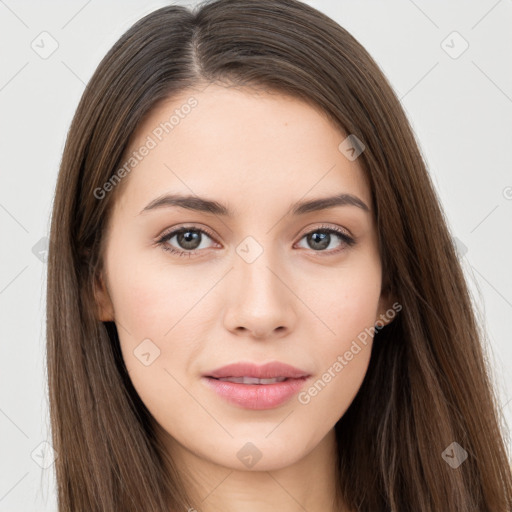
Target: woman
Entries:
(254, 301)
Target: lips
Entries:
(267, 371)
(256, 387)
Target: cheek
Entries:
(153, 306)
(351, 302)
(149, 296)
(157, 336)
(350, 309)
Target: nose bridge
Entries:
(255, 267)
(260, 302)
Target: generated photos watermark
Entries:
(343, 360)
(151, 142)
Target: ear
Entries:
(387, 310)
(105, 309)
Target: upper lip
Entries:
(266, 371)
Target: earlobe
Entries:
(104, 307)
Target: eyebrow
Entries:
(210, 206)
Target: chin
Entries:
(257, 453)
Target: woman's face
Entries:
(254, 279)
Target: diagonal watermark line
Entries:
(199, 403)
(485, 15)
(14, 486)
(301, 300)
(221, 482)
(493, 287)
(284, 489)
(13, 218)
(424, 14)
(506, 403)
(307, 192)
(12, 280)
(403, 96)
(492, 81)
(14, 424)
(218, 217)
(117, 322)
(73, 72)
(14, 76)
(492, 211)
(76, 14)
(501, 408)
(279, 423)
(7, 7)
(198, 301)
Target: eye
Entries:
(188, 239)
(322, 237)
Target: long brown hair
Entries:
(428, 384)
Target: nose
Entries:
(260, 302)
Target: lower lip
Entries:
(256, 396)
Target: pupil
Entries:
(323, 242)
(189, 239)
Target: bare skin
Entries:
(297, 302)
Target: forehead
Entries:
(250, 147)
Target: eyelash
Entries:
(162, 241)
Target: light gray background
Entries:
(460, 109)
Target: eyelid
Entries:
(192, 227)
(327, 227)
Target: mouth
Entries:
(256, 387)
